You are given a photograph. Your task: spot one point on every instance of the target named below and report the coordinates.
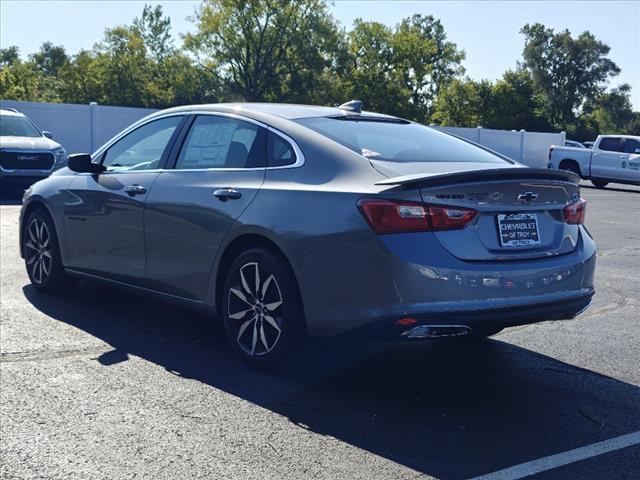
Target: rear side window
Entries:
(631, 146)
(281, 153)
(610, 144)
(222, 142)
(400, 142)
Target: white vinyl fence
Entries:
(79, 128)
(530, 148)
(83, 128)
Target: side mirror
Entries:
(47, 134)
(81, 163)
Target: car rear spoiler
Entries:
(517, 173)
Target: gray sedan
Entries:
(292, 220)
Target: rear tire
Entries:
(599, 183)
(570, 166)
(42, 254)
(261, 307)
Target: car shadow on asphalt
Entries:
(450, 409)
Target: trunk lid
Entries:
(504, 198)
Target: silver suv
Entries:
(27, 154)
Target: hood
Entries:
(400, 169)
(28, 143)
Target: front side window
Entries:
(143, 148)
(631, 146)
(16, 126)
(398, 141)
(609, 144)
(222, 142)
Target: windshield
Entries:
(400, 142)
(14, 126)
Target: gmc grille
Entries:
(26, 160)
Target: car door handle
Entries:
(133, 190)
(225, 194)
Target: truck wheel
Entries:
(570, 166)
(599, 183)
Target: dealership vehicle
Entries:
(613, 158)
(293, 220)
(27, 154)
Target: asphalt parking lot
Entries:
(100, 383)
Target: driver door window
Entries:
(610, 144)
(143, 148)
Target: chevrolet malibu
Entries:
(293, 220)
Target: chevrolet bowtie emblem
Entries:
(527, 196)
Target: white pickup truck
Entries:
(613, 158)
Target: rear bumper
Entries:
(372, 287)
(564, 307)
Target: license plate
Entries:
(518, 229)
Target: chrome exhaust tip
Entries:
(436, 331)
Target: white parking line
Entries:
(565, 458)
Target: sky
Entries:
(488, 31)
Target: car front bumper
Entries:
(21, 179)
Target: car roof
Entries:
(287, 111)
(10, 113)
(621, 136)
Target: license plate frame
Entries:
(524, 233)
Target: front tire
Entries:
(261, 308)
(599, 183)
(42, 254)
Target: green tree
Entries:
(81, 80)
(137, 65)
(515, 104)
(400, 71)
(568, 71)
(49, 59)
(462, 103)
(610, 113)
(370, 73)
(425, 61)
(123, 67)
(174, 79)
(269, 50)
(9, 55)
(21, 80)
(155, 31)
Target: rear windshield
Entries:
(14, 126)
(398, 142)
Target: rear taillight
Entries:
(449, 218)
(575, 212)
(386, 216)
